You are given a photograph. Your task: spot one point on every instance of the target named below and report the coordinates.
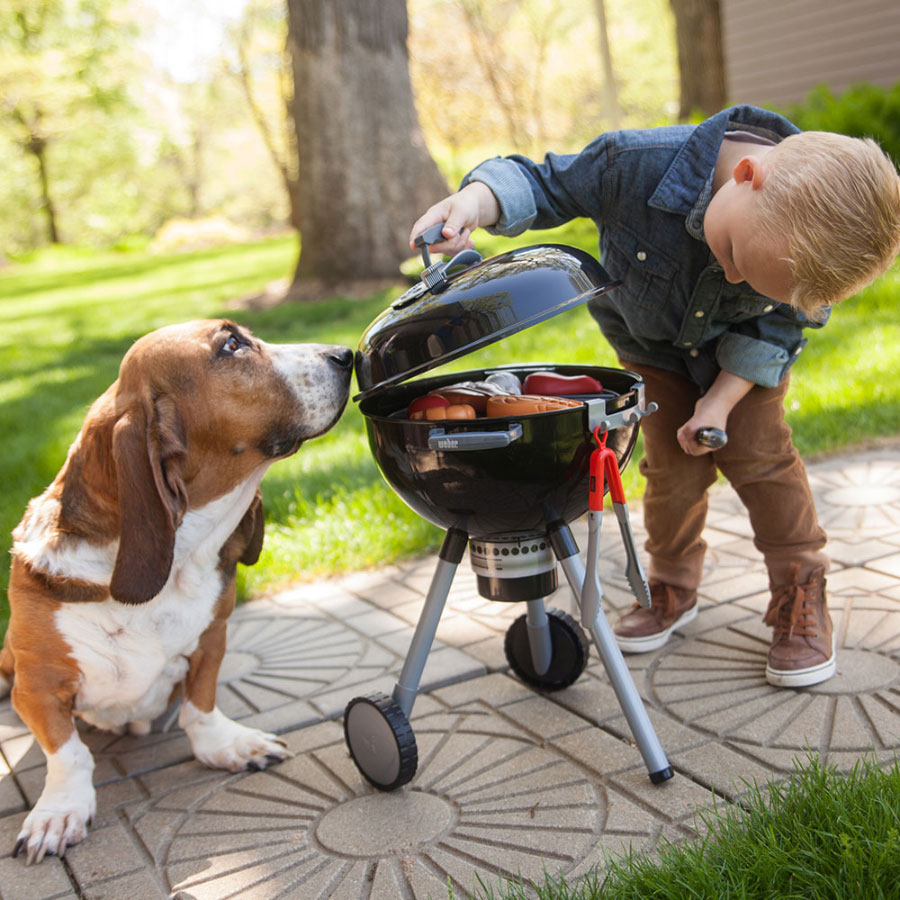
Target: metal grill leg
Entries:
(620, 677)
(540, 641)
(451, 553)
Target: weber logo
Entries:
(447, 444)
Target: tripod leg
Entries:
(449, 557)
(539, 640)
(627, 694)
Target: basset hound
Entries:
(123, 570)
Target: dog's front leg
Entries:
(68, 802)
(215, 739)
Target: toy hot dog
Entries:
(549, 383)
(442, 413)
(426, 401)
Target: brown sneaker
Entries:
(802, 651)
(643, 629)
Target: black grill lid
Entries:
(454, 311)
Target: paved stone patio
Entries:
(510, 782)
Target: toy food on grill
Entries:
(549, 383)
(416, 409)
(509, 381)
(466, 393)
(502, 394)
(441, 413)
(525, 404)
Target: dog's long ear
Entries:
(252, 526)
(149, 452)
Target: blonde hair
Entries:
(837, 201)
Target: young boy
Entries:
(730, 238)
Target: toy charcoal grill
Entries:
(506, 487)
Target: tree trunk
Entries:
(701, 62)
(37, 146)
(365, 173)
(610, 89)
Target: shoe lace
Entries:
(792, 608)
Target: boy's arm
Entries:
(514, 193)
(712, 410)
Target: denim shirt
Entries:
(647, 191)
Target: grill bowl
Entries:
(539, 478)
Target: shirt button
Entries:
(695, 353)
(641, 255)
(699, 314)
(768, 307)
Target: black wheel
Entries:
(380, 741)
(570, 652)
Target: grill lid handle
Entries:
(429, 236)
(437, 274)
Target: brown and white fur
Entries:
(123, 570)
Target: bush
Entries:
(863, 110)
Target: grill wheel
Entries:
(570, 652)
(381, 741)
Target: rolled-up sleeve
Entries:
(763, 350)
(547, 194)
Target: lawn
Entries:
(68, 317)
(821, 835)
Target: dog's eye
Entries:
(231, 346)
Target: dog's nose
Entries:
(342, 357)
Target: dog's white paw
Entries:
(58, 820)
(66, 806)
(222, 744)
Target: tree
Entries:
(610, 89)
(263, 70)
(59, 70)
(701, 61)
(365, 173)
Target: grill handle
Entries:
(438, 439)
(598, 418)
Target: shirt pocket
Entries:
(738, 303)
(646, 274)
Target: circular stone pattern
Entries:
(236, 665)
(382, 825)
(860, 672)
(863, 495)
(714, 681)
(487, 801)
(273, 660)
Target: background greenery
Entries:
(68, 316)
(144, 164)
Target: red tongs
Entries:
(605, 468)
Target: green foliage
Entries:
(68, 316)
(821, 835)
(64, 81)
(863, 110)
(526, 77)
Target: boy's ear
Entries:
(751, 169)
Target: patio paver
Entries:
(509, 781)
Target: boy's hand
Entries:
(687, 434)
(712, 410)
(475, 205)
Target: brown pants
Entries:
(759, 460)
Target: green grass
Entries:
(821, 835)
(67, 318)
